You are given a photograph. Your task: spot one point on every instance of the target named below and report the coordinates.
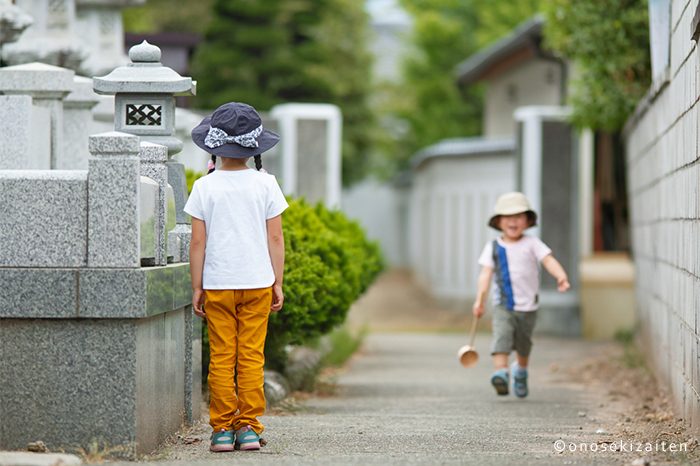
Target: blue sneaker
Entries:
(222, 441)
(499, 380)
(247, 439)
(519, 381)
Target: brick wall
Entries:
(664, 188)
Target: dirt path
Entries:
(395, 303)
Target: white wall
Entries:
(451, 203)
(192, 157)
(381, 210)
(535, 82)
(664, 193)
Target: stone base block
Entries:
(20, 458)
(74, 381)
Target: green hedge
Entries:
(329, 263)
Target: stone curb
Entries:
(20, 458)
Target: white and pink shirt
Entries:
(516, 268)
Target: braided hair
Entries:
(211, 166)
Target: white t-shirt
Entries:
(235, 205)
(516, 271)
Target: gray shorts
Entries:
(512, 330)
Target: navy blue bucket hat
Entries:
(234, 130)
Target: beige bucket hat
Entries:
(512, 204)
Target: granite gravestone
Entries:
(103, 349)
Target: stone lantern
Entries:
(144, 93)
(144, 105)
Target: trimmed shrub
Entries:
(329, 264)
(192, 176)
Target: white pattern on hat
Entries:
(218, 137)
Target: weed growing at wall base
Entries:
(99, 451)
(343, 344)
(631, 357)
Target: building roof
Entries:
(523, 43)
(462, 147)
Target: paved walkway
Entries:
(404, 399)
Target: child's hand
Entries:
(557, 271)
(563, 284)
(197, 303)
(277, 298)
(478, 309)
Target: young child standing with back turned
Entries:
(512, 260)
(236, 264)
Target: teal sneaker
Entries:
(519, 381)
(247, 439)
(499, 380)
(222, 441)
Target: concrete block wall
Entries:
(664, 192)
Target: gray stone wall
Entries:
(111, 355)
(664, 187)
(80, 387)
(160, 378)
(102, 349)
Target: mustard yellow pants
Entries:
(237, 324)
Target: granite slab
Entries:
(43, 218)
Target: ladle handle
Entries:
(475, 320)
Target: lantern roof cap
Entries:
(144, 75)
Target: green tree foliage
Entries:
(246, 55)
(428, 99)
(498, 19)
(608, 42)
(276, 51)
(168, 15)
(446, 32)
(329, 264)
